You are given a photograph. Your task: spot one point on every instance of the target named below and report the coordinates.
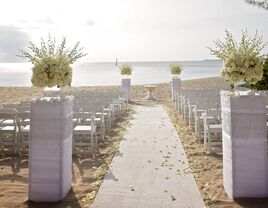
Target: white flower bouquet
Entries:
(241, 62)
(52, 63)
(175, 69)
(126, 69)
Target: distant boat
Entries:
(116, 62)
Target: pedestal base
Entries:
(126, 89)
(244, 131)
(50, 155)
(149, 96)
(175, 87)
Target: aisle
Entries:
(150, 168)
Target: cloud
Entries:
(34, 24)
(11, 40)
(90, 22)
(47, 20)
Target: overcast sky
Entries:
(131, 30)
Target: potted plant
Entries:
(51, 62)
(126, 71)
(244, 131)
(175, 70)
(50, 154)
(242, 62)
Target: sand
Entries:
(88, 172)
(16, 94)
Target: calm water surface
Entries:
(106, 73)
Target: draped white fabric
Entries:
(175, 87)
(50, 156)
(126, 88)
(245, 164)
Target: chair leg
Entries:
(190, 117)
(102, 130)
(109, 122)
(196, 124)
(205, 138)
(15, 144)
(209, 142)
(176, 104)
(91, 143)
(96, 140)
(1, 145)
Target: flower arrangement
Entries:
(242, 62)
(175, 69)
(263, 83)
(51, 62)
(126, 69)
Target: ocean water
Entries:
(106, 73)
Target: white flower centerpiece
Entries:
(244, 131)
(50, 154)
(126, 71)
(241, 62)
(51, 63)
(175, 70)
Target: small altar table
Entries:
(150, 89)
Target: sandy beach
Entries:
(16, 94)
(89, 172)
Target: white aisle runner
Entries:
(150, 168)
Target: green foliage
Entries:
(49, 49)
(175, 69)
(247, 44)
(243, 61)
(52, 62)
(260, 3)
(126, 69)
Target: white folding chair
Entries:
(212, 125)
(23, 119)
(99, 118)
(84, 136)
(8, 131)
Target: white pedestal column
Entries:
(50, 156)
(126, 82)
(244, 132)
(175, 87)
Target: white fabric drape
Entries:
(244, 131)
(175, 87)
(126, 83)
(50, 156)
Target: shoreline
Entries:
(10, 95)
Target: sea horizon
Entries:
(106, 73)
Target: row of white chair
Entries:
(93, 116)
(201, 111)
